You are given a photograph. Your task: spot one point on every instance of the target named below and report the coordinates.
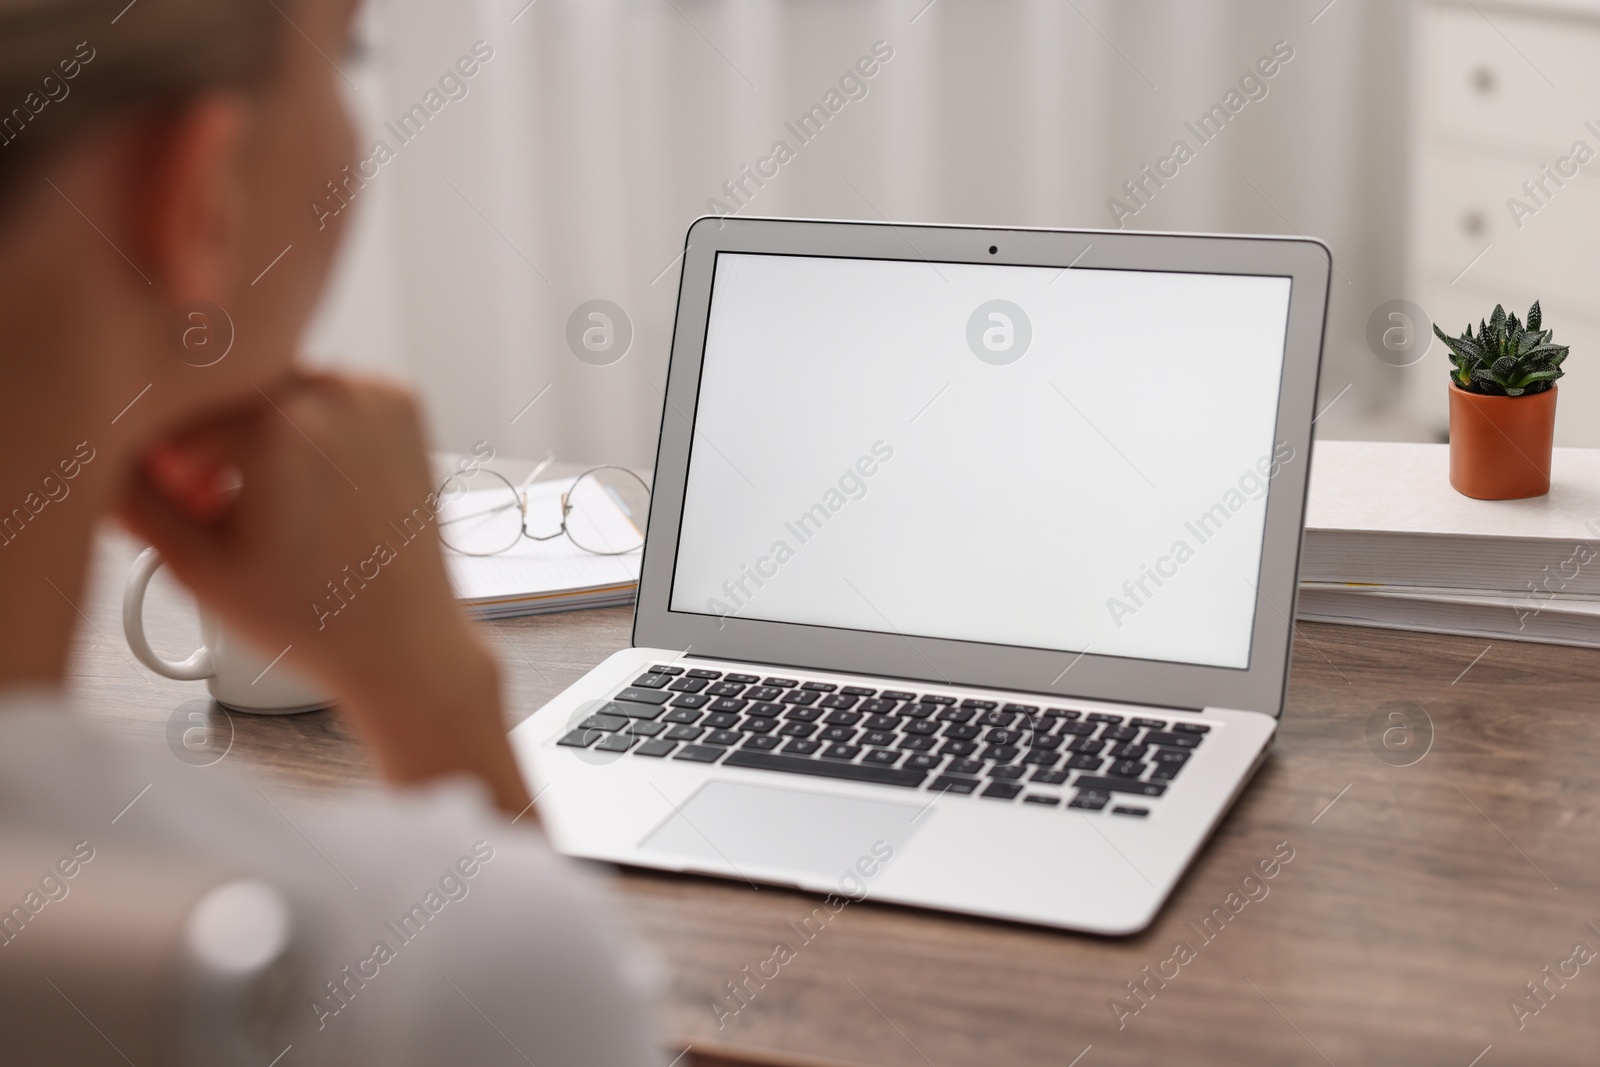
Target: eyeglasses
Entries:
(602, 511)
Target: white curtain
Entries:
(601, 128)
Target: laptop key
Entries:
(742, 679)
(1076, 729)
(700, 753)
(920, 727)
(797, 729)
(763, 692)
(838, 733)
(965, 766)
(1165, 772)
(652, 696)
(781, 683)
(703, 673)
(1040, 798)
(1085, 763)
(956, 748)
(685, 733)
(980, 705)
(1149, 724)
(858, 691)
(1089, 801)
(802, 715)
(1105, 784)
(725, 689)
(947, 784)
(1172, 740)
(1002, 753)
(880, 738)
(688, 685)
(1126, 751)
(721, 719)
(655, 748)
(1086, 748)
(998, 718)
(616, 743)
(645, 728)
(842, 718)
(724, 737)
(878, 707)
(959, 732)
(1171, 755)
(683, 715)
(1066, 713)
(759, 726)
(1002, 790)
(918, 744)
(999, 736)
(1138, 812)
(886, 756)
(897, 694)
(1191, 728)
(1041, 757)
(855, 772)
(630, 709)
(1023, 709)
(819, 687)
(1008, 771)
(800, 746)
(1119, 733)
(662, 668)
(838, 700)
(690, 700)
(1127, 768)
(960, 715)
(1098, 716)
(881, 722)
(934, 698)
(652, 681)
(603, 722)
(580, 738)
(841, 752)
(729, 704)
(763, 742)
(800, 696)
(922, 762)
(1045, 776)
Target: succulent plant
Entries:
(1506, 358)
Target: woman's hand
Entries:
(329, 547)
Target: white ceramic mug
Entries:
(239, 676)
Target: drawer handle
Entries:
(1483, 80)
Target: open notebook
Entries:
(535, 577)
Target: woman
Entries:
(165, 152)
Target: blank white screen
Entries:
(856, 465)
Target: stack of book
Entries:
(1389, 543)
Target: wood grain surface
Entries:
(1419, 900)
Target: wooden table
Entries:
(1419, 901)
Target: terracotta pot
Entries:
(1500, 445)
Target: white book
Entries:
(1384, 514)
(1561, 620)
(536, 577)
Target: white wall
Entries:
(601, 128)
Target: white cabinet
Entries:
(1505, 186)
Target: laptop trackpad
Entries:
(815, 835)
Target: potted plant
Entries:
(1503, 406)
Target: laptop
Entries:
(969, 571)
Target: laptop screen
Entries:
(1073, 459)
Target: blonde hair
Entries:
(68, 65)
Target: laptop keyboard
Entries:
(1025, 753)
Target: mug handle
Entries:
(197, 667)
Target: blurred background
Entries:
(1444, 150)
